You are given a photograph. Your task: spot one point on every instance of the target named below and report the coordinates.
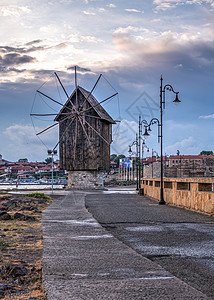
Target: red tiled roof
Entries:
(190, 156)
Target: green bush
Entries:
(38, 196)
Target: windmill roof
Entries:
(102, 113)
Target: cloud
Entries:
(124, 134)
(10, 70)
(169, 49)
(13, 11)
(23, 142)
(111, 5)
(33, 42)
(128, 29)
(207, 117)
(49, 29)
(89, 13)
(90, 39)
(8, 49)
(169, 4)
(134, 10)
(66, 1)
(187, 145)
(15, 59)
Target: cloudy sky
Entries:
(131, 43)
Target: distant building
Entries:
(181, 166)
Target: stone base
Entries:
(85, 180)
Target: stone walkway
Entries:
(82, 261)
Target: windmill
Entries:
(85, 134)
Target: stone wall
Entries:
(147, 170)
(85, 179)
(202, 168)
(192, 193)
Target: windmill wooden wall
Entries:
(76, 152)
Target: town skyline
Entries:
(132, 45)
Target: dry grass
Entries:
(21, 245)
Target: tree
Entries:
(48, 160)
(23, 160)
(117, 159)
(206, 152)
(112, 157)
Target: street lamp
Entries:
(144, 146)
(153, 152)
(52, 153)
(162, 106)
(142, 137)
(147, 129)
(167, 87)
(137, 153)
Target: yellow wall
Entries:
(202, 201)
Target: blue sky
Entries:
(132, 43)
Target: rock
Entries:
(25, 208)
(4, 215)
(30, 218)
(36, 210)
(3, 208)
(41, 201)
(5, 205)
(19, 216)
(16, 270)
(5, 198)
(29, 208)
(23, 217)
(33, 269)
(5, 286)
(12, 204)
(1, 294)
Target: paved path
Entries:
(182, 241)
(82, 260)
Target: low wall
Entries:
(30, 186)
(192, 193)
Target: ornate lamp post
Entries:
(167, 87)
(141, 137)
(52, 153)
(153, 152)
(137, 153)
(144, 146)
(162, 106)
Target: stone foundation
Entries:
(85, 179)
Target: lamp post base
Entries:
(161, 201)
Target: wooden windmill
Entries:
(85, 135)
